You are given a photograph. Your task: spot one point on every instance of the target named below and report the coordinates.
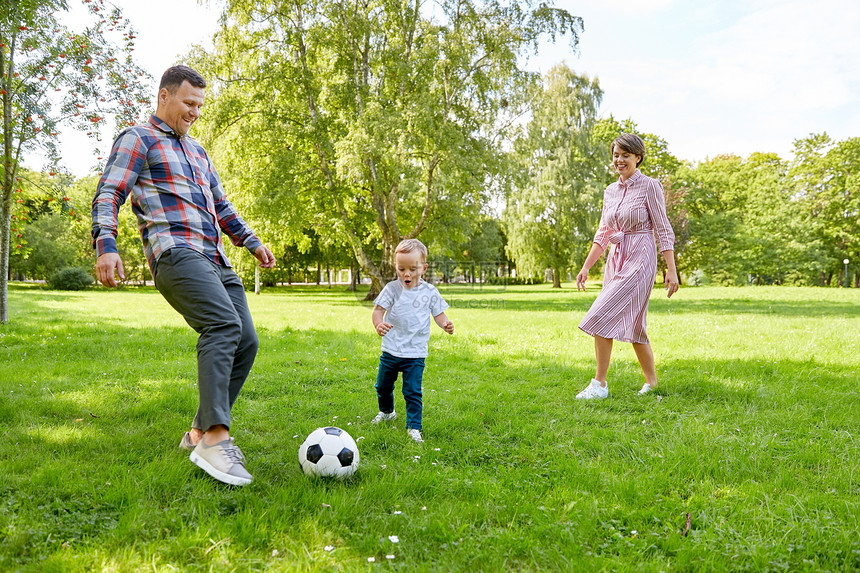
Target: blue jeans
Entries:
(413, 372)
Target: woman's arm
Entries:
(671, 283)
(593, 255)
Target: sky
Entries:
(709, 77)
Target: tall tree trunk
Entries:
(556, 278)
(353, 276)
(8, 182)
(5, 213)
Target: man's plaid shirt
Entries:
(175, 193)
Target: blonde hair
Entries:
(409, 245)
(631, 144)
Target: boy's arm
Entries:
(379, 324)
(443, 322)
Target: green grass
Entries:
(755, 436)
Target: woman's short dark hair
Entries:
(173, 78)
(631, 144)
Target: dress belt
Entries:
(617, 238)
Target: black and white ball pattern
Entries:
(329, 452)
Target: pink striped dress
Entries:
(633, 212)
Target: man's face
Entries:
(180, 109)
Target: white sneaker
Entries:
(593, 390)
(645, 389)
(223, 461)
(383, 417)
(415, 435)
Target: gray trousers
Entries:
(212, 300)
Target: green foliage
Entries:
(70, 278)
(47, 251)
(824, 181)
(554, 206)
(369, 122)
(43, 226)
(513, 281)
(96, 388)
(765, 220)
(53, 76)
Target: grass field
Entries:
(753, 434)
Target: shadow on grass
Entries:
(659, 304)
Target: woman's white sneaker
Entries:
(593, 390)
(645, 389)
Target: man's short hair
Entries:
(174, 76)
(409, 245)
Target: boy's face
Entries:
(410, 268)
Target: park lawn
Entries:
(753, 434)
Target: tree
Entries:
(825, 182)
(715, 208)
(555, 203)
(745, 223)
(778, 247)
(374, 115)
(40, 226)
(51, 77)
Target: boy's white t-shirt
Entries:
(409, 311)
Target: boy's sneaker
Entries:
(415, 434)
(593, 390)
(223, 461)
(383, 417)
(645, 389)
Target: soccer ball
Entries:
(329, 452)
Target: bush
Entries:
(510, 281)
(70, 278)
(48, 245)
(697, 278)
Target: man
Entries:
(181, 210)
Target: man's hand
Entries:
(265, 256)
(106, 264)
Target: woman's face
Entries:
(624, 162)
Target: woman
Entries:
(633, 212)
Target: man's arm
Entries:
(126, 160)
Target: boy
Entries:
(402, 318)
